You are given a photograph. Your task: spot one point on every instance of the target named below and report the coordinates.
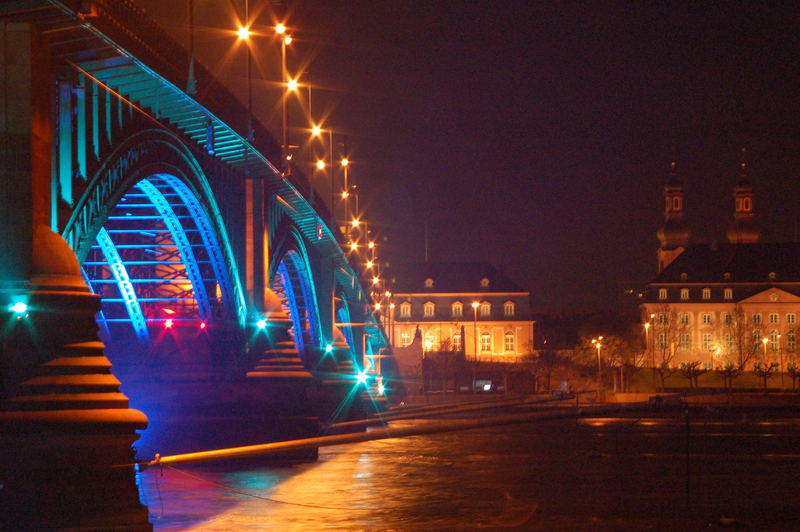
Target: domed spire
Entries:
(744, 229)
(675, 234)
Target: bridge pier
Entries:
(65, 429)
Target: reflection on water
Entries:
(611, 473)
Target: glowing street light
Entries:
(243, 33)
(292, 85)
(261, 324)
(280, 29)
(18, 308)
(345, 162)
(355, 222)
(598, 344)
(475, 327)
(320, 165)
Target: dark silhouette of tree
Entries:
(764, 371)
(692, 371)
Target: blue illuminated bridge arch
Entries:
(151, 242)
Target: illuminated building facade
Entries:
(735, 302)
(468, 307)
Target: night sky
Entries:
(536, 135)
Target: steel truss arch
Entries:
(128, 294)
(155, 152)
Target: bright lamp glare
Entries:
(280, 29)
(381, 389)
(361, 377)
(203, 325)
(316, 130)
(169, 323)
(328, 348)
(287, 40)
(320, 165)
(292, 85)
(261, 324)
(244, 33)
(345, 161)
(19, 307)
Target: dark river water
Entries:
(626, 473)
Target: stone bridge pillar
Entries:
(65, 430)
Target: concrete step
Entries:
(279, 375)
(78, 349)
(72, 365)
(58, 384)
(70, 401)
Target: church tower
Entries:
(744, 229)
(674, 234)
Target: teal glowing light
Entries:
(329, 348)
(261, 324)
(19, 307)
(361, 377)
(381, 389)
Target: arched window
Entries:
(486, 342)
(684, 319)
(429, 309)
(791, 341)
(405, 309)
(509, 342)
(706, 293)
(662, 293)
(486, 309)
(457, 309)
(508, 309)
(684, 293)
(676, 203)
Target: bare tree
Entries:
(743, 347)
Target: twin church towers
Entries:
(675, 234)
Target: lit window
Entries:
(685, 319)
(486, 309)
(706, 319)
(791, 318)
(457, 309)
(457, 341)
(757, 318)
(662, 318)
(774, 341)
(791, 341)
(486, 342)
(728, 293)
(727, 318)
(728, 341)
(757, 336)
(773, 318)
(510, 344)
(708, 342)
(430, 340)
(404, 339)
(662, 293)
(428, 309)
(684, 293)
(405, 309)
(685, 341)
(706, 293)
(747, 204)
(428, 283)
(662, 341)
(508, 309)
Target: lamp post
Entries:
(647, 351)
(280, 30)
(596, 342)
(475, 327)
